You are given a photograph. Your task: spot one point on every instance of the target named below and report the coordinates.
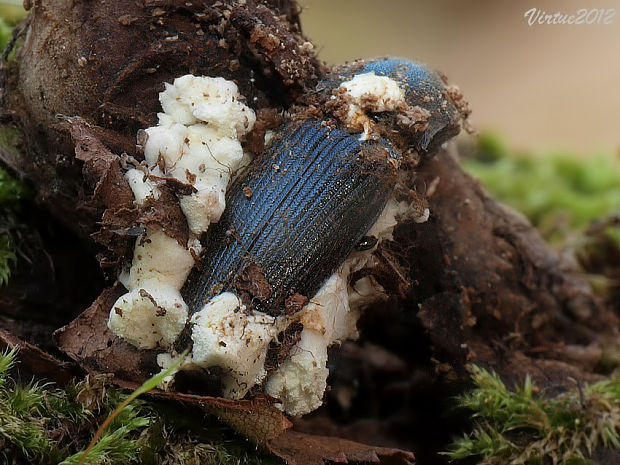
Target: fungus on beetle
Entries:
(308, 225)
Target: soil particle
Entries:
(455, 94)
(127, 20)
(295, 303)
(414, 118)
(264, 39)
(266, 118)
(252, 284)
(160, 310)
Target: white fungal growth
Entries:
(158, 259)
(216, 101)
(226, 335)
(387, 221)
(149, 316)
(424, 217)
(142, 187)
(152, 313)
(368, 92)
(331, 315)
(301, 380)
(196, 142)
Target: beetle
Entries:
(316, 193)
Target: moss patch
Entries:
(526, 427)
(41, 423)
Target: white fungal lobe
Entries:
(227, 335)
(301, 380)
(330, 317)
(373, 94)
(142, 187)
(196, 142)
(149, 318)
(152, 313)
(216, 101)
(158, 259)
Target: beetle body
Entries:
(315, 194)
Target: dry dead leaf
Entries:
(37, 362)
(304, 449)
(102, 168)
(121, 219)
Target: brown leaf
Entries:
(165, 213)
(117, 234)
(36, 362)
(89, 342)
(257, 419)
(305, 449)
(102, 168)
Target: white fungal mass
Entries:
(197, 141)
(368, 92)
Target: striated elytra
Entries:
(294, 216)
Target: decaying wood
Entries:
(491, 291)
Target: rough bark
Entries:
(491, 291)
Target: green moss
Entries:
(5, 33)
(522, 427)
(11, 192)
(40, 423)
(10, 140)
(557, 191)
(7, 258)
